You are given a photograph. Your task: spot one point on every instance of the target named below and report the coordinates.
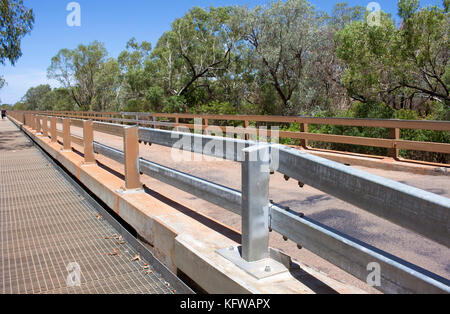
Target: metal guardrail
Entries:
(415, 209)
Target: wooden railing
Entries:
(166, 120)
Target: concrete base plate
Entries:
(132, 191)
(260, 269)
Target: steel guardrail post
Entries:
(255, 203)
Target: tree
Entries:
(135, 76)
(107, 87)
(406, 65)
(342, 15)
(197, 48)
(423, 48)
(15, 22)
(57, 99)
(77, 70)
(35, 97)
(283, 37)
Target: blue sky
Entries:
(112, 22)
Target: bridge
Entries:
(258, 217)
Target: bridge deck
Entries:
(313, 203)
(45, 225)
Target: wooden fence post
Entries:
(131, 149)
(395, 135)
(88, 138)
(53, 133)
(44, 126)
(67, 141)
(304, 129)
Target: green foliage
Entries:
(195, 51)
(16, 21)
(438, 111)
(400, 66)
(216, 107)
(80, 70)
(282, 58)
(20, 106)
(156, 97)
(175, 104)
(34, 98)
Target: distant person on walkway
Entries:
(3, 114)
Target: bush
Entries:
(438, 111)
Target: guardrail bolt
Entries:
(286, 178)
(270, 229)
(285, 238)
(301, 215)
(301, 184)
(272, 172)
(268, 269)
(299, 246)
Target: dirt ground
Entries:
(313, 203)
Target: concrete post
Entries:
(131, 150)
(255, 203)
(88, 137)
(53, 133)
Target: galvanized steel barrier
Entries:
(418, 210)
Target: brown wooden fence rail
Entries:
(166, 120)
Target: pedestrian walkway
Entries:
(52, 240)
